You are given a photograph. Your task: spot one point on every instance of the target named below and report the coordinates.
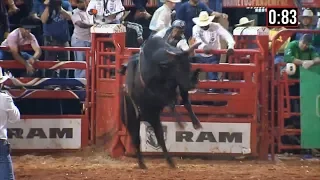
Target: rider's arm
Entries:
(183, 44)
(290, 52)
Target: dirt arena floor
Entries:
(98, 166)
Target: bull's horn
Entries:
(194, 46)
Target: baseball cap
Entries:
(306, 38)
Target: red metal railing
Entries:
(54, 65)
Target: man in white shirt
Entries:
(175, 35)
(81, 34)
(106, 11)
(161, 18)
(8, 113)
(209, 34)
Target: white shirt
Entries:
(212, 36)
(182, 44)
(78, 32)
(8, 113)
(113, 6)
(161, 18)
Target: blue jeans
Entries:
(6, 169)
(4, 55)
(79, 55)
(278, 59)
(214, 59)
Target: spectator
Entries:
(161, 18)
(245, 22)
(9, 113)
(54, 16)
(175, 35)
(191, 9)
(4, 25)
(20, 37)
(109, 12)
(301, 53)
(81, 34)
(134, 34)
(209, 34)
(316, 37)
(24, 7)
(307, 22)
(141, 11)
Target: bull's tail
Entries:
(128, 108)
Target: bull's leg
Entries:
(157, 127)
(136, 141)
(186, 102)
(176, 115)
(132, 121)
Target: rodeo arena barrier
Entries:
(249, 121)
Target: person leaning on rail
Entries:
(8, 113)
(21, 37)
(299, 54)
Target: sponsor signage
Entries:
(45, 134)
(268, 3)
(213, 138)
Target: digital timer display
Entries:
(282, 17)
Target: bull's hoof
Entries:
(197, 126)
(171, 164)
(181, 125)
(142, 166)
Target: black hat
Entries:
(28, 23)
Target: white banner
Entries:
(45, 134)
(213, 138)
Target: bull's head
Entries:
(181, 67)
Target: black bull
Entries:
(152, 80)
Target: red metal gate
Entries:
(241, 96)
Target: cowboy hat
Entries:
(307, 13)
(244, 21)
(204, 19)
(174, 1)
(3, 78)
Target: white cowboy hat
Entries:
(307, 13)
(204, 19)
(174, 1)
(3, 78)
(243, 21)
